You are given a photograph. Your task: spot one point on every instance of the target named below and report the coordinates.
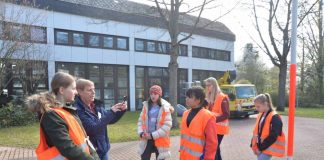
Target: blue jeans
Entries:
(105, 157)
(264, 157)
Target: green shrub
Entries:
(15, 115)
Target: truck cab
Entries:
(241, 99)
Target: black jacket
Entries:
(274, 131)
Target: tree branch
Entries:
(195, 25)
(306, 13)
(267, 51)
(162, 16)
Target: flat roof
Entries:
(134, 13)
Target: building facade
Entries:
(123, 53)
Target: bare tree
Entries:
(313, 42)
(275, 40)
(22, 45)
(171, 18)
(169, 12)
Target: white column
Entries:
(51, 72)
(189, 74)
(190, 61)
(132, 87)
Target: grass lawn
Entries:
(307, 112)
(28, 136)
(124, 130)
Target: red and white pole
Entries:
(292, 92)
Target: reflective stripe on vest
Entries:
(223, 126)
(191, 152)
(144, 125)
(75, 131)
(224, 123)
(278, 147)
(193, 137)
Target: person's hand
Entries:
(123, 106)
(257, 152)
(254, 151)
(146, 136)
(115, 108)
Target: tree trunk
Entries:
(173, 79)
(282, 86)
(320, 79)
(302, 72)
(320, 52)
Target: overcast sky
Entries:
(239, 21)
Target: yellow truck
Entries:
(240, 95)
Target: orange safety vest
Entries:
(223, 126)
(161, 143)
(277, 148)
(193, 138)
(76, 133)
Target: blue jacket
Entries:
(96, 125)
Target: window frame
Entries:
(25, 28)
(208, 52)
(100, 45)
(84, 39)
(157, 45)
(87, 39)
(68, 40)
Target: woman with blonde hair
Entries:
(61, 132)
(218, 103)
(268, 138)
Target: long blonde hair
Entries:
(265, 98)
(42, 102)
(211, 97)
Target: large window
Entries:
(121, 43)
(208, 53)
(78, 39)
(22, 32)
(111, 81)
(94, 40)
(85, 39)
(28, 77)
(108, 42)
(150, 46)
(139, 45)
(148, 76)
(201, 75)
(62, 37)
(38, 34)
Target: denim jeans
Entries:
(105, 157)
(264, 157)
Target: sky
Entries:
(239, 21)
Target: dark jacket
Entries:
(274, 132)
(57, 134)
(96, 124)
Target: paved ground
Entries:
(309, 143)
